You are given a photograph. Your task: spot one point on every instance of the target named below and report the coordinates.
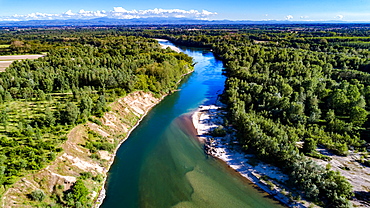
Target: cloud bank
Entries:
(117, 13)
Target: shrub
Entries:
(99, 178)
(309, 145)
(94, 120)
(77, 194)
(367, 163)
(85, 175)
(218, 132)
(37, 195)
(95, 156)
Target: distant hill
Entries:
(142, 21)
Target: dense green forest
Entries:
(42, 100)
(286, 88)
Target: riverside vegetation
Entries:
(293, 88)
(42, 100)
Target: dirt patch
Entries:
(260, 41)
(20, 57)
(105, 155)
(4, 65)
(5, 61)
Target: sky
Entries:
(292, 10)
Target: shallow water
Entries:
(163, 165)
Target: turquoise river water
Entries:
(162, 164)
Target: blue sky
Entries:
(348, 10)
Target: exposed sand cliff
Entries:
(59, 176)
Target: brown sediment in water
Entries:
(186, 124)
(246, 181)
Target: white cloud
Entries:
(289, 17)
(69, 12)
(119, 9)
(304, 17)
(207, 13)
(339, 16)
(117, 12)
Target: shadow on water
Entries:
(162, 164)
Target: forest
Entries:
(42, 100)
(290, 89)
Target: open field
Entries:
(5, 61)
(20, 57)
(4, 65)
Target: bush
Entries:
(94, 146)
(85, 175)
(95, 156)
(270, 185)
(218, 132)
(94, 120)
(37, 195)
(367, 163)
(309, 145)
(77, 194)
(106, 146)
(99, 178)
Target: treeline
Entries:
(278, 97)
(286, 101)
(41, 100)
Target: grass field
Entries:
(4, 46)
(25, 111)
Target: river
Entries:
(162, 164)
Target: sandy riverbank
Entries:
(174, 48)
(227, 149)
